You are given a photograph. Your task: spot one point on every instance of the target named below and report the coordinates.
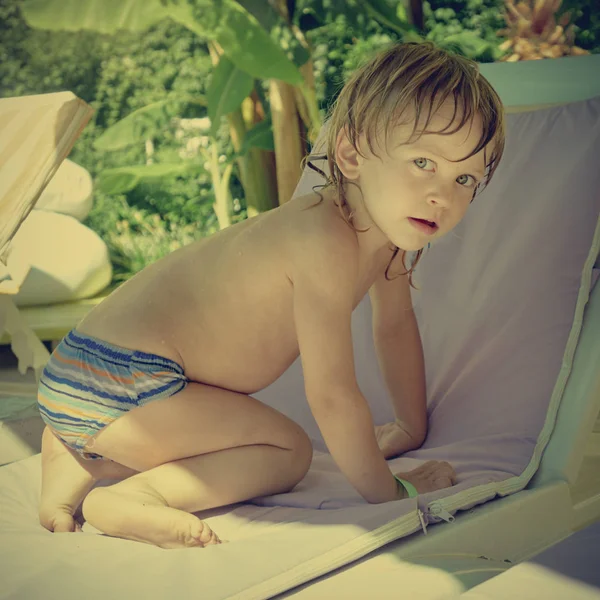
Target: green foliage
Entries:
(362, 50)
(342, 35)
(249, 52)
(125, 179)
(244, 41)
(227, 22)
(260, 136)
(447, 22)
(138, 82)
(165, 64)
(117, 76)
(228, 88)
(40, 62)
(137, 237)
(160, 219)
(467, 27)
(387, 13)
(585, 14)
(104, 16)
(137, 126)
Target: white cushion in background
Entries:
(68, 260)
(69, 191)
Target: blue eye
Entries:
(423, 160)
(421, 163)
(465, 175)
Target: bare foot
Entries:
(431, 476)
(136, 512)
(66, 479)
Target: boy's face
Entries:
(418, 180)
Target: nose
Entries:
(440, 194)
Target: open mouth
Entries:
(423, 225)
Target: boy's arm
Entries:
(324, 288)
(400, 353)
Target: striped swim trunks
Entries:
(88, 383)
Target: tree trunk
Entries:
(289, 149)
(414, 11)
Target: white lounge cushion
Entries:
(69, 191)
(68, 260)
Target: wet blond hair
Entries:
(418, 76)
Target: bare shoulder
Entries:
(319, 243)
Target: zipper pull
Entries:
(437, 510)
(422, 519)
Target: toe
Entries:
(202, 533)
(214, 540)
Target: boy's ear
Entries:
(347, 157)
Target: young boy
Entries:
(154, 386)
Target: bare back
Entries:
(222, 307)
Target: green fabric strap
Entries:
(409, 487)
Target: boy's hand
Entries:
(394, 440)
(430, 476)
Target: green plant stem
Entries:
(221, 188)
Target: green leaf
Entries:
(468, 42)
(104, 16)
(244, 41)
(250, 47)
(193, 108)
(260, 136)
(383, 12)
(227, 90)
(263, 11)
(301, 54)
(117, 181)
(140, 125)
(124, 179)
(401, 13)
(148, 121)
(238, 32)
